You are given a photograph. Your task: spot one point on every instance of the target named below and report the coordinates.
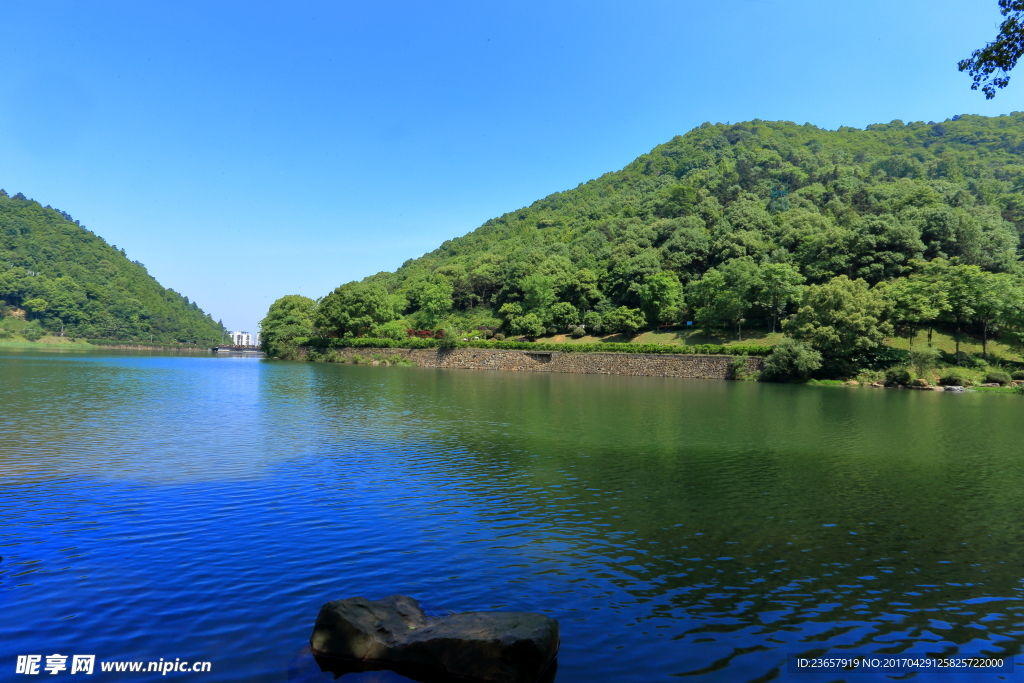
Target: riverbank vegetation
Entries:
(58, 279)
(849, 244)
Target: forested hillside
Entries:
(730, 225)
(58, 275)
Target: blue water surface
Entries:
(203, 508)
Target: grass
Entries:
(826, 382)
(945, 340)
(45, 342)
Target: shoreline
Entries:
(83, 346)
(693, 366)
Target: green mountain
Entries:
(657, 241)
(57, 274)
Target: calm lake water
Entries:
(204, 508)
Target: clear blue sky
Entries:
(248, 150)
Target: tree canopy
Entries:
(989, 66)
(288, 318)
(67, 278)
(728, 225)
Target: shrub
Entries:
(447, 338)
(954, 377)
(592, 319)
(496, 343)
(499, 337)
(791, 360)
(391, 330)
(487, 334)
(552, 330)
(1018, 374)
(32, 333)
(577, 331)
(898, 375)
(868, 376)
(738, 369)
(997, 376)
(968, 361)
(924, 359)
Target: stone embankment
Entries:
(147, 347)
(636, 364)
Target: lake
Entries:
(202, 508)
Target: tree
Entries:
(564, 315)
(781, 284)
(988, 67)
(288, 318)
(965, 286)
(528, 325)
(37, 306)
(725, 294)
(916, 300)
(994, 299)
(594, 322)
(435, 302)
(661, 298)
(391, 330)
(356, 307)
(840, 318)
(538, 292)
(624, 320)
(791, 360)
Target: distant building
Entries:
(256, 340)
(241, 338)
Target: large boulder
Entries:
(490, 647)
(365, 630)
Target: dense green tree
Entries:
(593, 321)
(517, 322)
(791, 360)
(726, 294)
(435, 302)
(840, 318)
(965, 287)
(917, 301)
(70, 281)
(781, 284)
(357, 307)
(287, 319)
(624, 320)
(661, 298)
(865, 204)
(538, 292)
(564, 315)
(996, 300)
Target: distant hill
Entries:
(58, 274)
(860, 203)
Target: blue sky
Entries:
(248, 150)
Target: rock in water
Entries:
(365, 630)
(491, 647)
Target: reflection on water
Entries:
(204, 508)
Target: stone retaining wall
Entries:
(637, 364)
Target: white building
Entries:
(240, 338)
